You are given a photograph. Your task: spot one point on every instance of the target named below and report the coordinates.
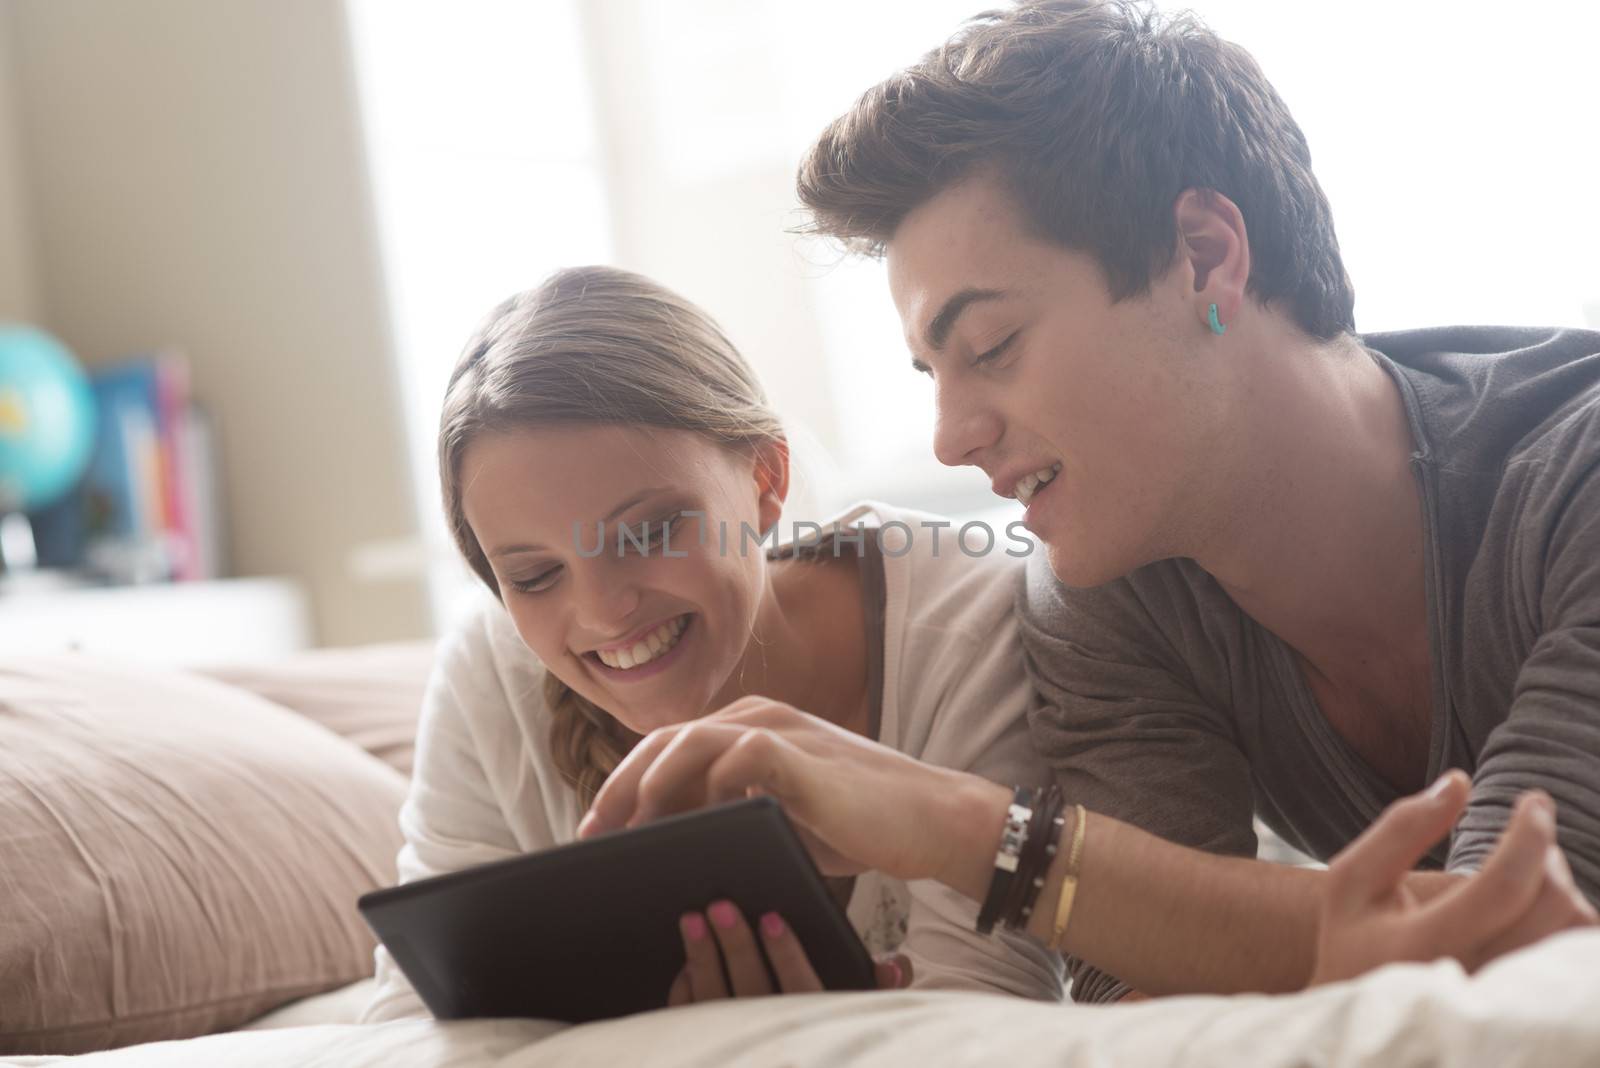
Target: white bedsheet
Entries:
(1536, 1009)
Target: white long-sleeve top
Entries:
(955, 693)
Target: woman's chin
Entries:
(643, 721)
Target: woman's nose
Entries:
(606, 602)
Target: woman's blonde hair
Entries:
(593, 345)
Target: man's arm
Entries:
(1117, 715)
(1122, 716)
(1168, 918)
(1171, 920)
(1550, 739)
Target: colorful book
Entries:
(146, 510)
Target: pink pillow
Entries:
(176, 856)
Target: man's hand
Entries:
(857, 804)
(1372, 913)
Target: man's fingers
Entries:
(665, 772)
(1557, 908)
(677, 778)
(789, 961)
(1371, 867)
(1584, 913)
(756, 759)
(614, 805)
(1500, 894)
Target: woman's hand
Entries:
(724, 958)
(1376, 910)
(858, 805)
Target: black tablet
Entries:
(589, 931)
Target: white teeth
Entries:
(1028, 485)
(645, 649)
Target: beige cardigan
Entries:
(954, 693)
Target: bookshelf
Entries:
(178, 624)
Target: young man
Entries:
(1309, 571)
(1291, 570)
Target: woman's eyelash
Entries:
(655, 530)
(535, 584)
(650, 535)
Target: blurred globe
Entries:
(47, 420)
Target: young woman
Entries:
(600, 401)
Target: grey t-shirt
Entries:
(1161, 703)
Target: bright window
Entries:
(1455, 142)
(487, 176)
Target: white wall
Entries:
(16, 260)
(196, 177)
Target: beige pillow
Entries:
(370, 694)
(176, 856)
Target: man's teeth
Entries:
(647, 648)
(1028, 485)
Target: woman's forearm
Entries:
(1161, 917)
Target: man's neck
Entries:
(1321, 537)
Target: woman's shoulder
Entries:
(487, 696)
(483, 666)
(956, 688)
(952, 568)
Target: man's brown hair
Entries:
(1096, 115)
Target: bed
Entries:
(262, 800)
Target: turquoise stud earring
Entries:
(1216, 324)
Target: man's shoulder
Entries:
(1509, 418)
(1483, 398)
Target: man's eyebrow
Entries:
(939, 327)
(509, 550)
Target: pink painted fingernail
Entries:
(694, 926)
(772, 925)
(724, 915)
(899, 976)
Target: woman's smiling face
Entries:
(650, 638)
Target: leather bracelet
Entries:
(1044, 837)
(1013, 836)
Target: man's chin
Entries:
(1081, 567)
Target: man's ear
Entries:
(1214, 251)
(772, 481)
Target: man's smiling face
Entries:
(1036, 370)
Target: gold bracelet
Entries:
(1069, 880)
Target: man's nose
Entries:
(962, 428)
